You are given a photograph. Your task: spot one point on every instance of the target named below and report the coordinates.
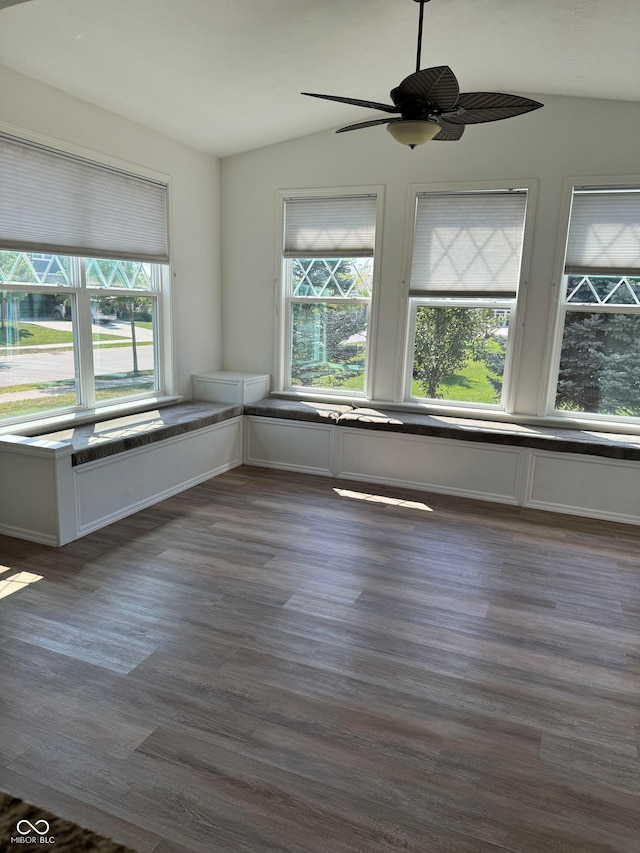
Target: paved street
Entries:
(55, 361)
(55, 364)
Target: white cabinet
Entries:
(226, 386)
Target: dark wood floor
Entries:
(272, 662)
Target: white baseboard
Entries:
(29, 535)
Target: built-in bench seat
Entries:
(556, 439)
(582, 472)
(61, 485)
(297, 410)
(105, 438)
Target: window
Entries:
(465, 273)
(598, 342)
(329, 245)
(83, 251)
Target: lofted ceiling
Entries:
(225, 75)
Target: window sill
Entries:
(103, 413)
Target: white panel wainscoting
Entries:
(471, 469)
(290, 445)
(554, 481)
(117, 486)
(46, 499)
(585, 485)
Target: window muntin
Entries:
(328, 273)
(73, 347)
(34, 268)
(597, 347)
(130, 275)
(466, 262)
(602, 290)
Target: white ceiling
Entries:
(225, 75)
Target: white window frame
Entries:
(517, 305)
(561, 308)
(80, 296)
(284, 299)
(162, 275)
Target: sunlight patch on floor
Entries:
(382, 499)
(16, 582)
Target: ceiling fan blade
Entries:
(449, 132)
(438, 85)
(478, 107)
(365, 124)
(372, 105)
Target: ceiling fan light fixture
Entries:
(413, 132)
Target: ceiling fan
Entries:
(430, 105)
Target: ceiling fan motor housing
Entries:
(412, 107)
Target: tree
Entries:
(620, 379)
(494, 361)
(443, 343)
(581, 362)
(599, 364)
(321, 328)
(320, 332)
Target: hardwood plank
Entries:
(74, 808)
(274, 662)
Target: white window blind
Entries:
(604, 234)
(54, 202)
(330, 227)
(468, 244)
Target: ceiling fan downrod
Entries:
(420, 20)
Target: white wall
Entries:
(28, 106)
(568, 137)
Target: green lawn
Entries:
(32, 335)
(469, 385)
(353, 383)
(14, 408)
(97, 336)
